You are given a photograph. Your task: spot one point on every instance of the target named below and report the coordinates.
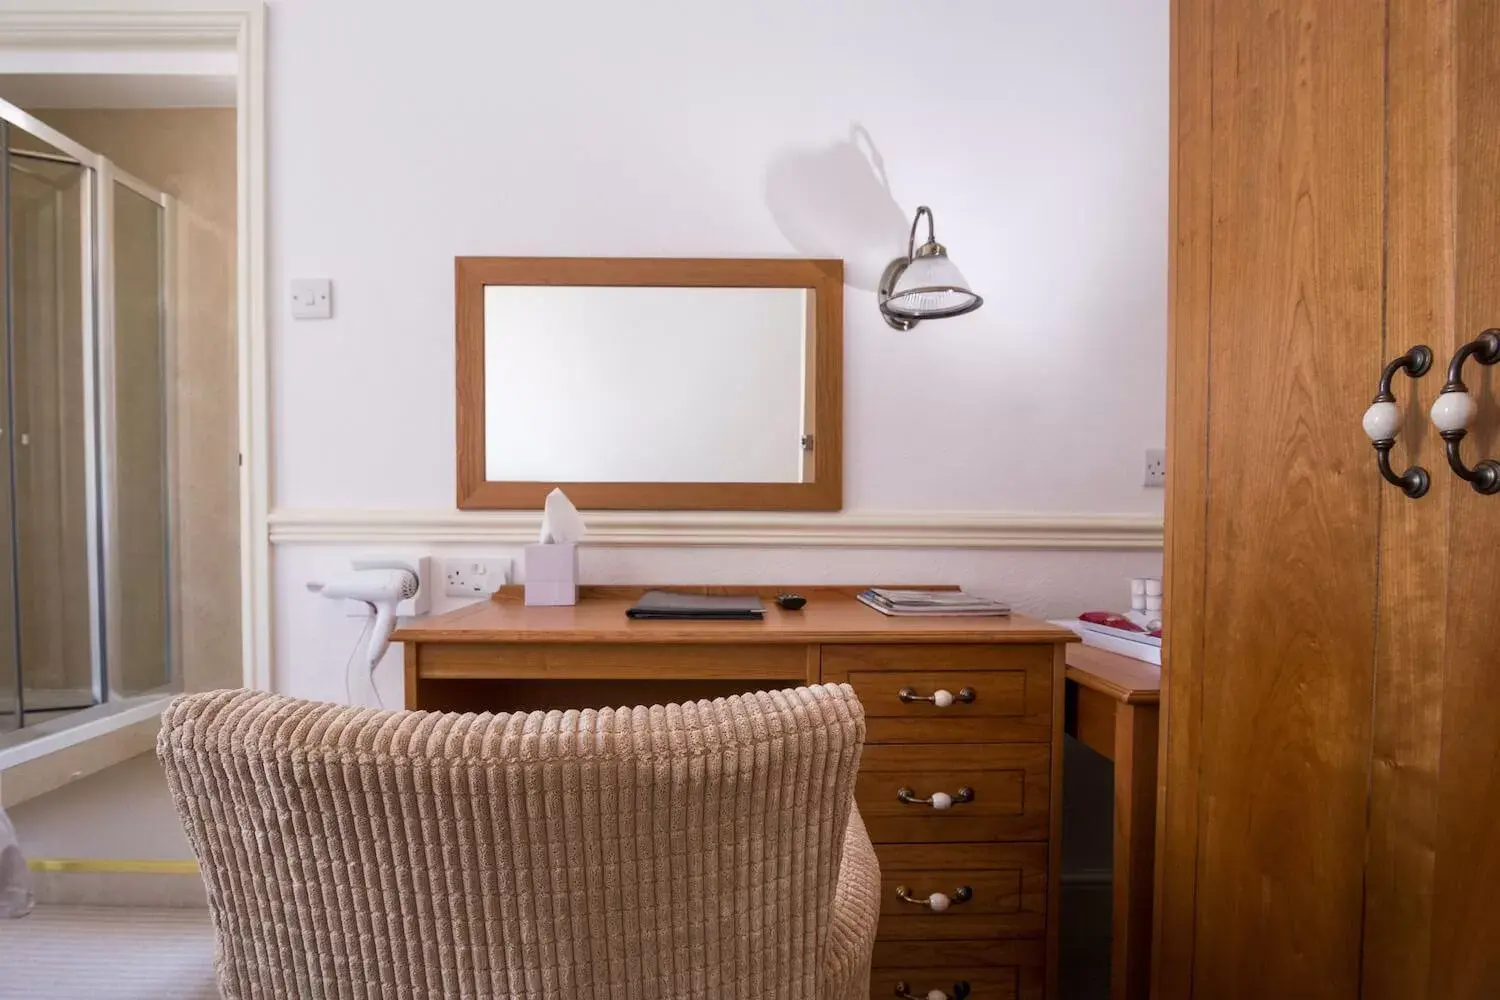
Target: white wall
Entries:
(402, 135)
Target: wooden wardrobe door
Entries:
(1331, 706)
(1411, 629)
(1465, 960)
(1273, 516)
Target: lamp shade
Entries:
(931, 287)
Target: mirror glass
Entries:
(647, 384)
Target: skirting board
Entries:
(902, 529)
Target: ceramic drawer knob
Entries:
(938, 800)
(960, 991)
(941, 698)
(937, 902)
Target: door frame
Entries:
(124, 25)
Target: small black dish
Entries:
(791, 602)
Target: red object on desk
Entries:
(1110, 619)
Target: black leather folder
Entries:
(662, 605)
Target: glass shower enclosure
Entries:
(86, 513)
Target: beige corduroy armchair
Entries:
(705, 850)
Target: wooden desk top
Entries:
(1122, 678)
(831, 616)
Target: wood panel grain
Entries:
(957, 954)
(1289, 536)
(1009, 883)
(829, 617)
(587, 661)
(1012, 687)
(411, 678)
(1054, 839)
(1135, 758)
(1466, 915)
(992, 982)
(1091, 719)
(1010, 784)
(1411, 627)
(825, 278)
(1123, 678)
(1186, 539)
(1005, 968)
(561, 695)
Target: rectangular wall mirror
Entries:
(650, 384)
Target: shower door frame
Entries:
(106, 576)
(106, 177)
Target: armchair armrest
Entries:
(856, 912)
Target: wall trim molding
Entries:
(125, 25)
(896, 529)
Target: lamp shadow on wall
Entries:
(835, 201)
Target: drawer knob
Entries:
(937, 902)
(960, 990)
(941, 698)
(938, 800)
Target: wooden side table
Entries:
(1112, 706)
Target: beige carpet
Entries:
(107, 953)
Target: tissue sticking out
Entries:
(560, 520)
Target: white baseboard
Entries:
(900, 529)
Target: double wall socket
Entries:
(1156, 467)
(470, 576)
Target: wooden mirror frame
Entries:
(826, 351)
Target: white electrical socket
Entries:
(1156, 467)
(474, 577)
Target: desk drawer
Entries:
(1004, 970)
(1010, 784)
(1011, 688)
(1006, 883)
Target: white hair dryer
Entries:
(382, 589)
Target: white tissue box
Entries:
(552, 574)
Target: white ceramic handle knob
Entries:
(938, 902)
(942, 698)
(1383, 421)
(941, 800)
(1452, 411)
(936, 995)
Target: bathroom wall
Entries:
(190, 154)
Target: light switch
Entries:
(312, 298)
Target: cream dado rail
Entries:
(899, 529)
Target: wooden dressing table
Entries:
(994, 746)
(1112, 703)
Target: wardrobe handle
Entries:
(1383, 421)
(1455, 408)
(960, 990)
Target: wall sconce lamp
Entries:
(924, 284)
